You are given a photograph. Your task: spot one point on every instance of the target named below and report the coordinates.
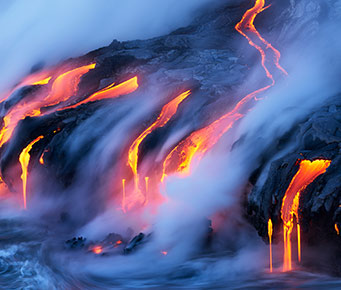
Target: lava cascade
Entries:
(308, 171)
(167, 112)
(270, 232)
(24, 160)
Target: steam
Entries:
(40, 32)
(180, 225)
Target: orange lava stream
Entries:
(167, 112)
(199, 142)
(64, 87)
(307, 173)
(270, 231)
(246, 28)
(110, 91)
(337, 230)
(24, 160)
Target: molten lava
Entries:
(270, 231)
(110, 91)
(307, 173)
(337, 230)
(167, 112)
(24, 160)
(42, 82)
(64, 87)
(199, 142)
(246, 28)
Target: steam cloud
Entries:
(39, 31)
(180, 224)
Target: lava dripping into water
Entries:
(24, 160)
(179, 160)
(270, 232)
(308, 171)
(167, 112)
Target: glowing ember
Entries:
(337, 229)
(307, 173)
(270, 231)
(24, 160)
(110, 91)
(165, 253)
(119, 242)
(167, 112)
(199, 142)
(97, 250)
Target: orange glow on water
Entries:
(337, 229)
(110, 91)
(180, 159)
(307, 173)
(24, 160)
(270, 231)
(165, 253)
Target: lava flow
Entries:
(110, 91)
(64, 87)
(167, 112)
(306, 174)
(199, 142)
(337, 229)
(270, 231)
(24, 160)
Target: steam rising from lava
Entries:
(98, 198)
